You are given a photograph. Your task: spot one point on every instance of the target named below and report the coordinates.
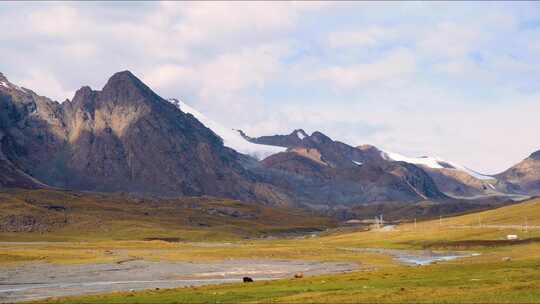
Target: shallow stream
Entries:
(417, 257)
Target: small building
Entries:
(512, 237)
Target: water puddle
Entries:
(417, 257)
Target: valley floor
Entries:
(43, 280)
(501, 271)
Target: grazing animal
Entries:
(56, 208)
(298, 275)
(506, 259)
(247, 280)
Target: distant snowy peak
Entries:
(231, 138)
(434, 163)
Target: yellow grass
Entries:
(484, 278)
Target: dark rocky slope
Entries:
(323, 172)
(448, 179)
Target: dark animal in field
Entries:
(56, 208)
(247, 280)
(298, 275)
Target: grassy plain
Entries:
(505, 272)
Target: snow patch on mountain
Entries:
(357, 163)
(435, 163)
(9, 85)
(231, 137)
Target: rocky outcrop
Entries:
(30, 131)
(293, 139)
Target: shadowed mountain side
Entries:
(318, 185)
(332, 173)
(451, 179)
(31, 130)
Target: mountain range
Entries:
(126, 138)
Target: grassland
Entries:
(48, 215)
(505, 272)
(449, 283)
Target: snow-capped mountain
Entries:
(452, 178)
(127, 138)
(434, 163)
(231, 137)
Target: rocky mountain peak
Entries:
(3, 78)
(83, 93)
(124, 86)
(301, 134)
(85, 98)
(320, 138)
(123, 76)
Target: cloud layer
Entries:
(456, 80)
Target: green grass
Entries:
(515, 282)
(482, 279)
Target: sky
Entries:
(457, 80)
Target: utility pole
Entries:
(440, 220)
(414, 223)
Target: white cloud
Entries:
(224, 74)
(56, 21)
(450, 40)
(391, 67)
(369, 37)
(48, 85)
(217, 23)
